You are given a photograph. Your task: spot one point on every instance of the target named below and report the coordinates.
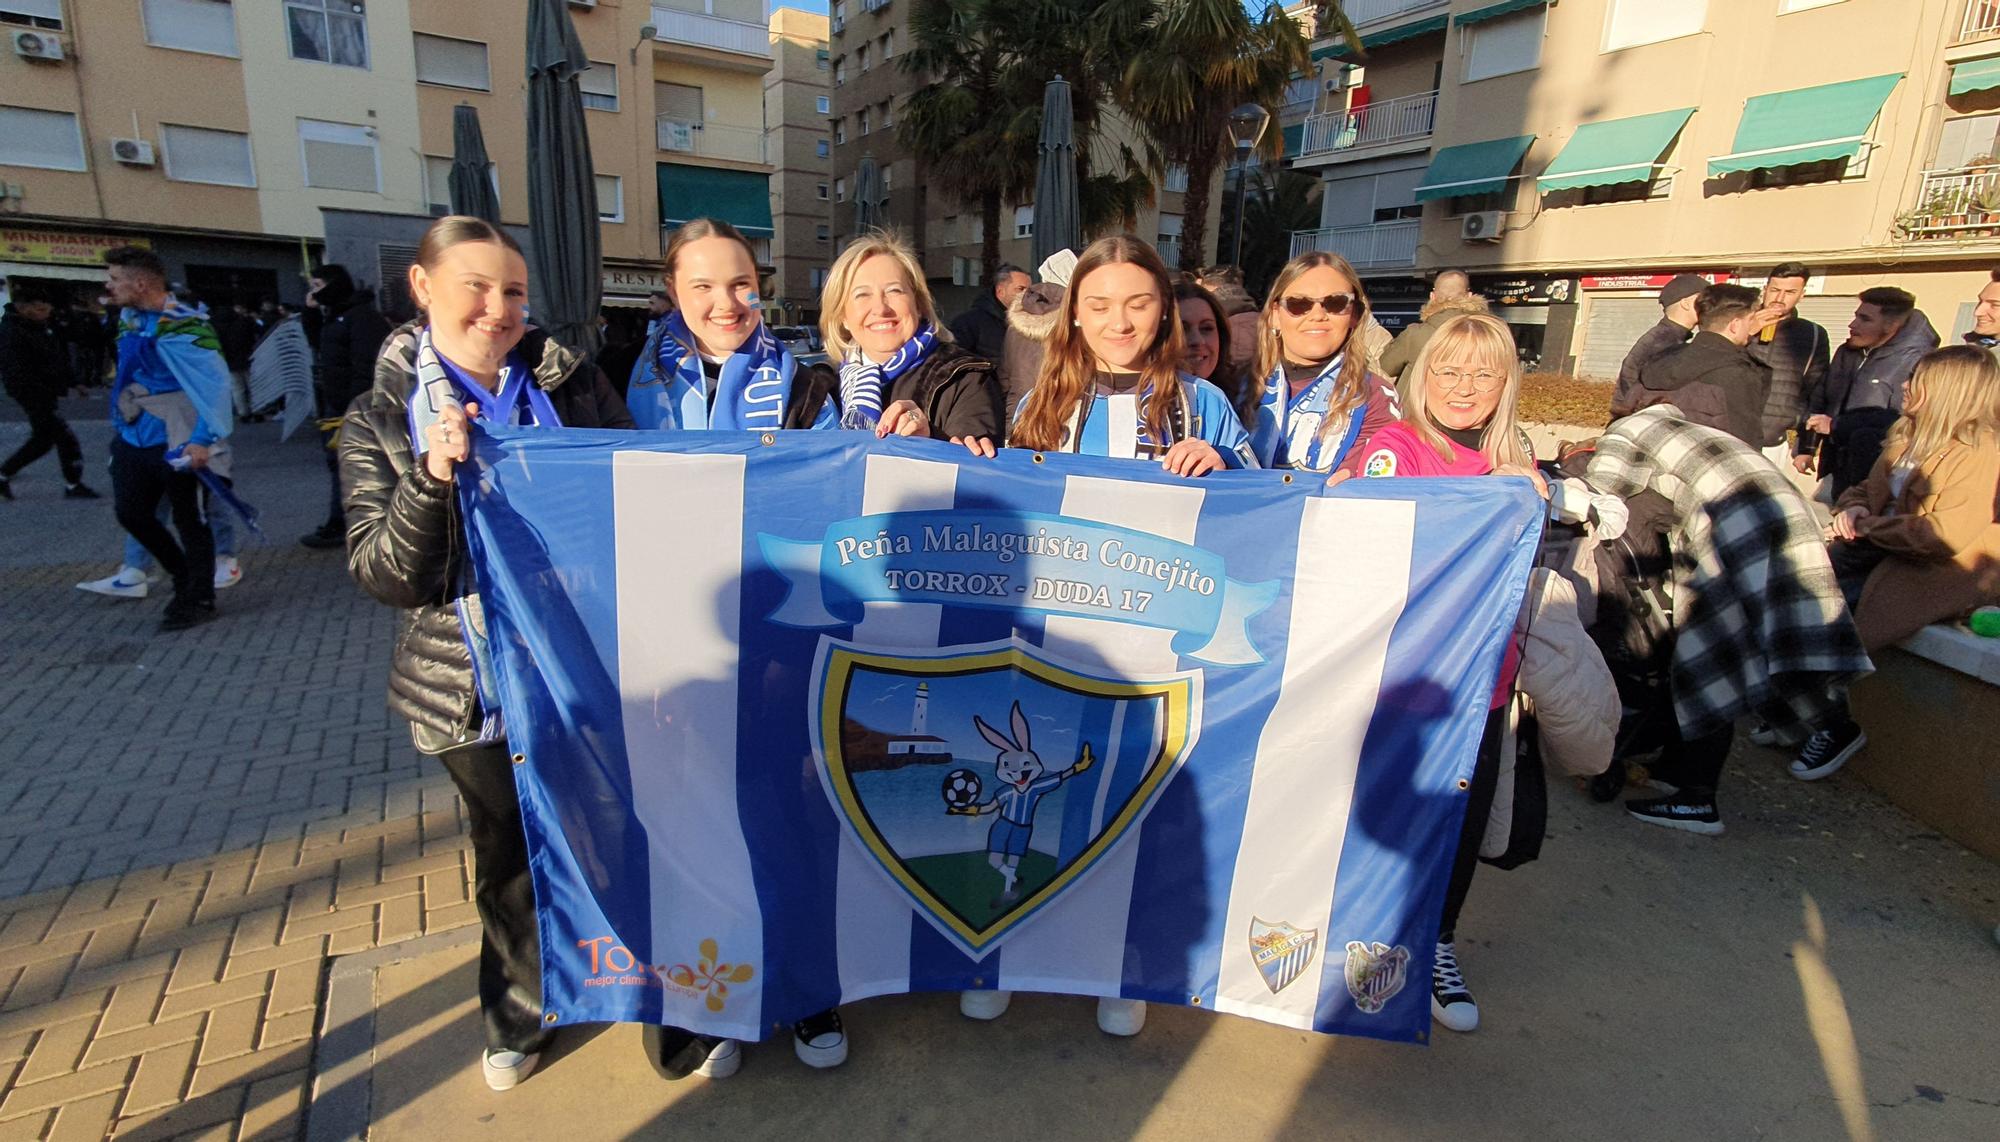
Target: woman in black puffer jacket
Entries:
(900, 372)
(406, 547)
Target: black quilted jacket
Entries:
(405, 540)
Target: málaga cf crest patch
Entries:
(987, 780)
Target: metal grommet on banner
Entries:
(1038, 457)
(1288, 477)
(1194, 1001)
(1463, 785)
(768, 438)
(519, 758)
(549, 1017)
(979, 981)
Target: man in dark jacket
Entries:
(351, 333)
(1795, 350)
(1850, 415)
(1712, 379)
(1985, 331)
(1677, 319)
(982, 330)
(34, 367)
(1451, 295)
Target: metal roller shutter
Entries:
(1613, 325)
(1832, 312)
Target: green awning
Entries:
(1810, 125)
(740, 198)
(1975, 75)
(1384, 39)
(1495, 11)
(1614, 151)
(1473, 168)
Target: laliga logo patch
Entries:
(1382, 463)
(1281, 952)
(1375, 973)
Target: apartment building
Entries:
(869, 89)
(245, 140)
(798, 99)
(1572, 155)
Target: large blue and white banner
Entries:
(804, 718)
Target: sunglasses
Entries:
(1335, 304)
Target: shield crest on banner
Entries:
(1281, 952)
(986, 781)
(1375, 973)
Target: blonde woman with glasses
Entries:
(1459, 420)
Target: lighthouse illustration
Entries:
(919, 746)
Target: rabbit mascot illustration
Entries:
(1024, 781)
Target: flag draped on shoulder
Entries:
(804, 718)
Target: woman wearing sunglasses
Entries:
(1320, 405)
(1111, 383)
(1460, 421)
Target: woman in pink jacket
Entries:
(1459, 420)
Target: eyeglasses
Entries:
(1483, 381)
(1335, 304)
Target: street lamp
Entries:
(1246, 127)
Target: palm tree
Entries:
(976, 119)
(1280, 202)
(965, 124)
(1203, 59)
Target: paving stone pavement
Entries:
(191, 823)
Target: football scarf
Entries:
(750, 395)
(1288, 428)
(862, 382)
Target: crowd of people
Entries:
(1761, 611)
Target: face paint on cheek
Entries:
(753, 300)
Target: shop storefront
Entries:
(1542, 314)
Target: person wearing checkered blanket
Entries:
(1760, 625)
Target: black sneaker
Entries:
(1826, 751)
(1451, 1003)
(184, 613)
(820, 1040)
(1691, 810)
(327, 538)
(80, 491)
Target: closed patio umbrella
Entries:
(471, 171)
(1058, 214)
(565, 283)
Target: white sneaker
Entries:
(504, 1070)
(820, 1041)
(1122, 1017)
(128, 583)
(984, 1005)
(228, 572)
(723, 1060)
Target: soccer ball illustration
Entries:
(961, 788)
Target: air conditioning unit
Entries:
(132, 152)
(1482, 226)
(37, 46)
(839, 24)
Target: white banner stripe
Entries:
(872, 917)
(677, 674)
(1082, 934)
(1346, 595)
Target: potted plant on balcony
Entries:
(1986, 203)
(1982, 164)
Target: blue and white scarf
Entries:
(750, 395)
(862, 382)
(1288, 428)
(442, 384)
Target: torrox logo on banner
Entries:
(708, 979)
(1015, 777)
(1020, 561)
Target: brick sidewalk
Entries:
(191, 824)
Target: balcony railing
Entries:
(744, 144)
(1954, 205)
(675, 26)
(1365, 12)
(1390, 121)
(1170, 252)
(1384, 245)
(1982, 20)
